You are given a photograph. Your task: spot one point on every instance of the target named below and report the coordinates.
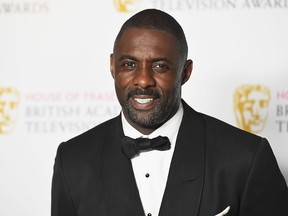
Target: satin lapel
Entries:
(185, 181)
(121, 196)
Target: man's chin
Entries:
(147, 119)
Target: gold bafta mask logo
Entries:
(9, 102)
(127, 5)
(251, 103)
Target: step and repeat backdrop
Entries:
(55, 81)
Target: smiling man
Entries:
(159, 156)
(149, 70)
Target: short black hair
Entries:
(158, 20)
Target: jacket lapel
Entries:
(185, 181)
(121, 196)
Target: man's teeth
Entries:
(143, 101)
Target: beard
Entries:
(151, 119)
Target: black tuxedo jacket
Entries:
(214, 166)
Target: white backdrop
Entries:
(55, 79)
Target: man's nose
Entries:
(144, 77)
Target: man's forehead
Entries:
(138, 39)
(136, 32)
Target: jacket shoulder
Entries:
(220, 130)
(90, 141)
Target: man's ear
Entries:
(187, 71)
(112, 65)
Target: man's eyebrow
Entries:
(127, 57)
(161, 59)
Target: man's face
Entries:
(148, 73)
(255, 110)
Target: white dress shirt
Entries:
(151, 168)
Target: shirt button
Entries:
(149, 214)
(147, 176)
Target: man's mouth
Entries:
(143, 100)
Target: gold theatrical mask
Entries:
(127, 5)
(9, 102)
(251, 103)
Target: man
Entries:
(209, 168)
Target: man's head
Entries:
(149, 65)
(160, 21)
(251, 107)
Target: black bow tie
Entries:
(132, 147)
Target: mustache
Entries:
(138, 91)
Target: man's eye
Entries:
(129, 65)
(160, 67)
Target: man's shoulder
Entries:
(92, 137)
(222, 134)
(229, 144)
(226, 144)
(219, 130)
